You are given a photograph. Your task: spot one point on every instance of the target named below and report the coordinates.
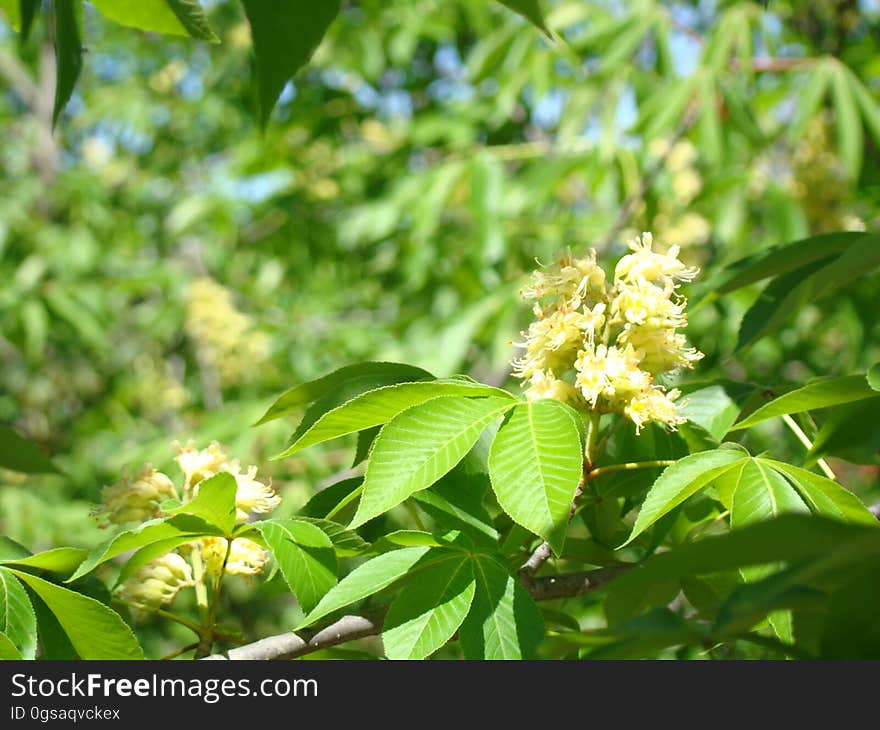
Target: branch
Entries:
(569, 585)
(290, 645)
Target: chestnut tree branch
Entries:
(290, 645)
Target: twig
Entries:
(290, 645)
(802, 437)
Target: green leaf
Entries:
(68, 54)
(535, 465)
(325, 501)
(778, 260)
(867, 105)
(420, 445)
(680, 481)
(376, 407)
(285, 34)
(214, 503)
(29, 10)
(760, 493)
(851, 628)
(350, 380)
(850, 136)
(371, 577)
(148, 553)
(429, 610)
(788, 538)
(504, 622)
(643, 636)
(851, 432)
(174, 17)
(780, 299)
(818, 393)
(364, 444)
(62, 560)
(455, 502)
(145, 534)
(12, 550)
(95, 631)
(19, 454)
(17, 620)
(810, 99)
(715, 408)
(346, 542)
(11, 11)
(8, 650)
(306, 558)
(873, 376)
(823, 496)
(531, 11)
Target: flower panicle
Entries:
(613, 338)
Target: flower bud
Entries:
(137, 500)
(158, 582)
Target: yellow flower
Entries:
(544, 385)
(137, 500)
(245, 556)
(616, 339)
(552, 341)
(158, 582)
(200, 464)
(653, 404)
(252, 496)
(569, 279)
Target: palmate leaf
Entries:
(429, 610)
(17, 619)
(535, 465)
(503, 622)
(682, 480)
(305, 556)
(818, 393)
(420, 445)
(376, 407)
(285, 34)
(94, 631)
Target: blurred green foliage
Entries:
(168, 268)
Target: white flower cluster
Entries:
(617, 338)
